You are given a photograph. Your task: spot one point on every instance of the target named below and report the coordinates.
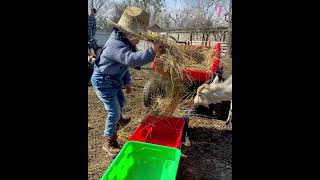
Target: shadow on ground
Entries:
(209, 157)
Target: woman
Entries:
(111, 69)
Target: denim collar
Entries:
(118, 35)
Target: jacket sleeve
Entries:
(127, 78)
(123, 54)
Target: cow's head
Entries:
(210, 93)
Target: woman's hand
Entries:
(157, 46)
(128, 89)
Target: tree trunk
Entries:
(91, 4)
(145, 3)
(202, 43)
(207, 38)
(230, 30)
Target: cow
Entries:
(215, 92)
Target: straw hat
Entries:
(134, 21)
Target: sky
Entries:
(172, 4)
(180, 4)
(175, 4)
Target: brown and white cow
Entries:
(215, 92)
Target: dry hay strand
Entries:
(198, 57)
(188, 55)
(169, 66)
(125, 132)
(123, 135)
(226, 62)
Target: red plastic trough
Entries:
(165, 132)
(201, 75)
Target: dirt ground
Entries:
(209, 157)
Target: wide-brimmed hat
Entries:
(134, 21)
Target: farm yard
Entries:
(192, 41)
(208, 157)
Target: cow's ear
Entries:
(216, 80)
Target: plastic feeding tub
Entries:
(144, 161)
(165, 132)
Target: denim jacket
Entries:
(118, 55)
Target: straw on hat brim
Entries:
(140, 35)
(122, 28)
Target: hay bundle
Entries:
(169, 66)
(197, 56)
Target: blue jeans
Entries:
(109, 91)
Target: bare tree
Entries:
(180, 18)
(102, 7)
(154, 7)
(199, 17)
(227, 5)
(115, 13)
(205, 15)
(164, 20)
(230, 30)
(119, 8)
(98, 4)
